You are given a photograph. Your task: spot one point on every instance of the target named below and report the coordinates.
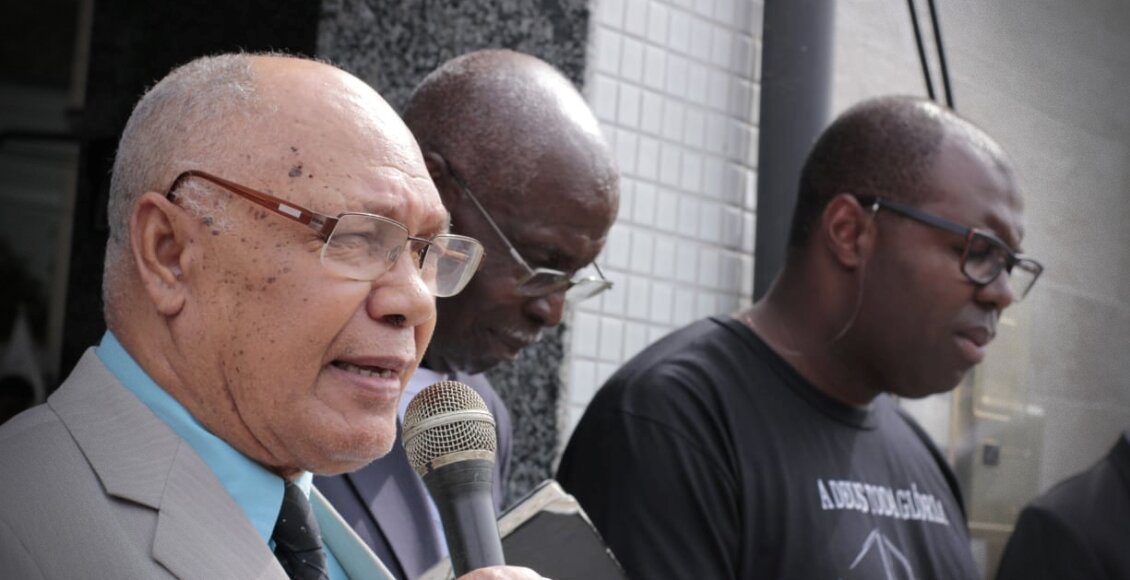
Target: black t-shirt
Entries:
(708, 457)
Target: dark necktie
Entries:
(298, 542)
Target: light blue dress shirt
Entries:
(257, 491)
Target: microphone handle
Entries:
(463, 497)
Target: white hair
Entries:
(192, 118)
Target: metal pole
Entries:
(921, 49)
(941, 55)
(795, 101)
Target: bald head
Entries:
(507, 107)
(881, 147)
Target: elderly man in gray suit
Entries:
(276, 246)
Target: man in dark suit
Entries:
(520, 163)
(1079, 529)
(262, 323)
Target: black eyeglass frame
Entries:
(561, 280)
(324, 225)
(1011, 258)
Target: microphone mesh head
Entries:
(447, 422)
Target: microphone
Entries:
(449, 437)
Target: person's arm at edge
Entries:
(1043, 547)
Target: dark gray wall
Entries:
(392, 45)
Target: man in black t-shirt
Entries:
(766, 444)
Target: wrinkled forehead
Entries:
(329, 141)
(324, 105)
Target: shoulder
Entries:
(1084, 500)
(47, 482)
(688, 390)
(28, 438)
(905, 421)
(481, 385)
(692, 363)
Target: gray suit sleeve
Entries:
(17, 561)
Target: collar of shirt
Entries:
(258, 492)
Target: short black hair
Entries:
(880, 147)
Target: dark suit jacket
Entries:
(1078, 529)
(386, 503)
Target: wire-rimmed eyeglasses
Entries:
(983, 257)
(362, 246)
(541, 281)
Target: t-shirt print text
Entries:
(881, 500)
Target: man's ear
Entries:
(437, 167)
(440, 171)
(845, 227)
(160, 244)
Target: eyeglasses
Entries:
(542, 281)
(983, 257)
(362, 246)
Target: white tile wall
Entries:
(675, 86)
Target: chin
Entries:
(345, 461)
(928, 390)
(330, 452)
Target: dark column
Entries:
(796, 90)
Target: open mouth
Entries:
(365, 371)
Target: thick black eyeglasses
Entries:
(983, 257)
(362, 246)
(541, 281)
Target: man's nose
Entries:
(400, 296)
(998, 293)
(548, 310)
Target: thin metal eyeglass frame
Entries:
(530, 272)
(966, 232)
(322, 224)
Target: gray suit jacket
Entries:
(94, 485)
(386, 503)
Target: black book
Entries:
(549, 532)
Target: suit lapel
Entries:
(399, 497)
(197, 511)
(140, 459)
(129, 448)
(355, 557)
